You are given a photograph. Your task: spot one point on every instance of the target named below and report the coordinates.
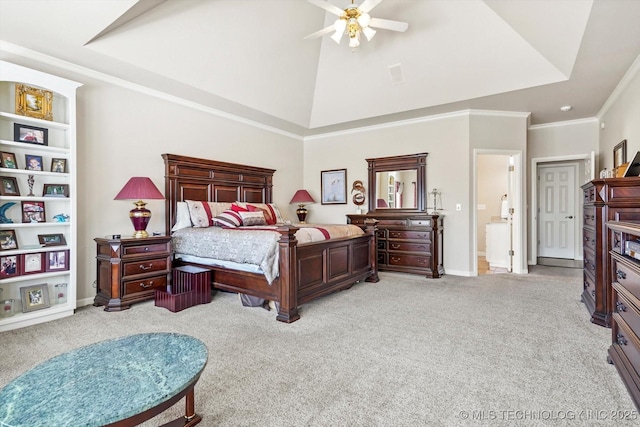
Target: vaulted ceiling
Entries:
(249, 58)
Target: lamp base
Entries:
(302, 214)
(140, 217)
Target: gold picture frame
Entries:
(34, 102)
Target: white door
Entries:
(556, 211)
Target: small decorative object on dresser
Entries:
(34, 297)
(34, 102)
(620, 154)
(30, 134)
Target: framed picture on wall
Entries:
(620, 154)
(334, 187)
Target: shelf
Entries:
(56, 311)
(37, 276)
(33, 224)
(34, 173)
(31, 121)
(32, 198)
(37, 147)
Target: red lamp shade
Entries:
(301, 197)
(138, 188)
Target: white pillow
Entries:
(253, 218)
(183, 219)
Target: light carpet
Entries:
(498, 349)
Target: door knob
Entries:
(570, 216)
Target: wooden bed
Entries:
(306, 271)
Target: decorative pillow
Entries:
(228, 219)
(183, 220)
(200, 213)
(271, 212)
(236, 207)
(253, 218)
(218, 207)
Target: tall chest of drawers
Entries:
(610, 199)
(408, 243)
(624, 352)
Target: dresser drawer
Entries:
(589, 284)
(145, 266)
(589, 261)
(420, 223)
(626, 340)
(413, 235)
(153, 248)
(400, 222)
(589, 238)
(627, 311)
(589, 218)
(381, 233)
(626, 276)
(590, 195)
(409, 247)
(410, 260)
(135, 286)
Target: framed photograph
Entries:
(30, 134)
(8, 160)
(33, 212)
(34, 102)
(34, 163)
(9, 186)
(52, 239)
(32, 263)
(9, 266)
(620, 154)
(57, 261)
(334, 187)
(34, 297)
(59, 165)
(55, 190)
(8, 240)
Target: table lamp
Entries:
(138, 188)
(301, 197)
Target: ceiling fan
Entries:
(353, 21)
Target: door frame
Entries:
(590, 165)
(519, 200)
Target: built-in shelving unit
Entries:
(57, 262)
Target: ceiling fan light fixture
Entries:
(368, 33)
(364, 19)
(354, 41)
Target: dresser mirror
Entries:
(397, 183)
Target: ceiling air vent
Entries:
(397, 76)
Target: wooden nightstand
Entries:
(130, 270)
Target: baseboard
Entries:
(560, 262)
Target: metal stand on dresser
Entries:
(624, 352)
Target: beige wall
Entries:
(622, 119)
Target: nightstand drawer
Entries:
(155, 248)
(626, 276)
(151, 283)
(589, 238)
(589, 216)
(415, 235)
(145, 266)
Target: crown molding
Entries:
(565, 123)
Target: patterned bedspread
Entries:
(252, 245)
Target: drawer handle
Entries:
(621, 275)
(593, 293)
(620, 339)
(143, 267)
(395, 246)
(423, 236)
(145, 285)
(620, 307)
(394, 234)
(146, 249)
(586, 284)
(395, 259)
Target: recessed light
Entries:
(566, 108)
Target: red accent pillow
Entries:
(268, 216)
(238, 209)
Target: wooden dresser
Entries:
(610, 199)
(407, 242)
(624, 352)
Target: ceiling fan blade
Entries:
(367, 5)
(388, 24)
(322, 32)
(327, 6)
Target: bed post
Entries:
(288, 268)
(372, 229)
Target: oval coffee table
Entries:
(120, 382)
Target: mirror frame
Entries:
(396, 163)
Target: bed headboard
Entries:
(191, 178)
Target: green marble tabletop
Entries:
(103, 382)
